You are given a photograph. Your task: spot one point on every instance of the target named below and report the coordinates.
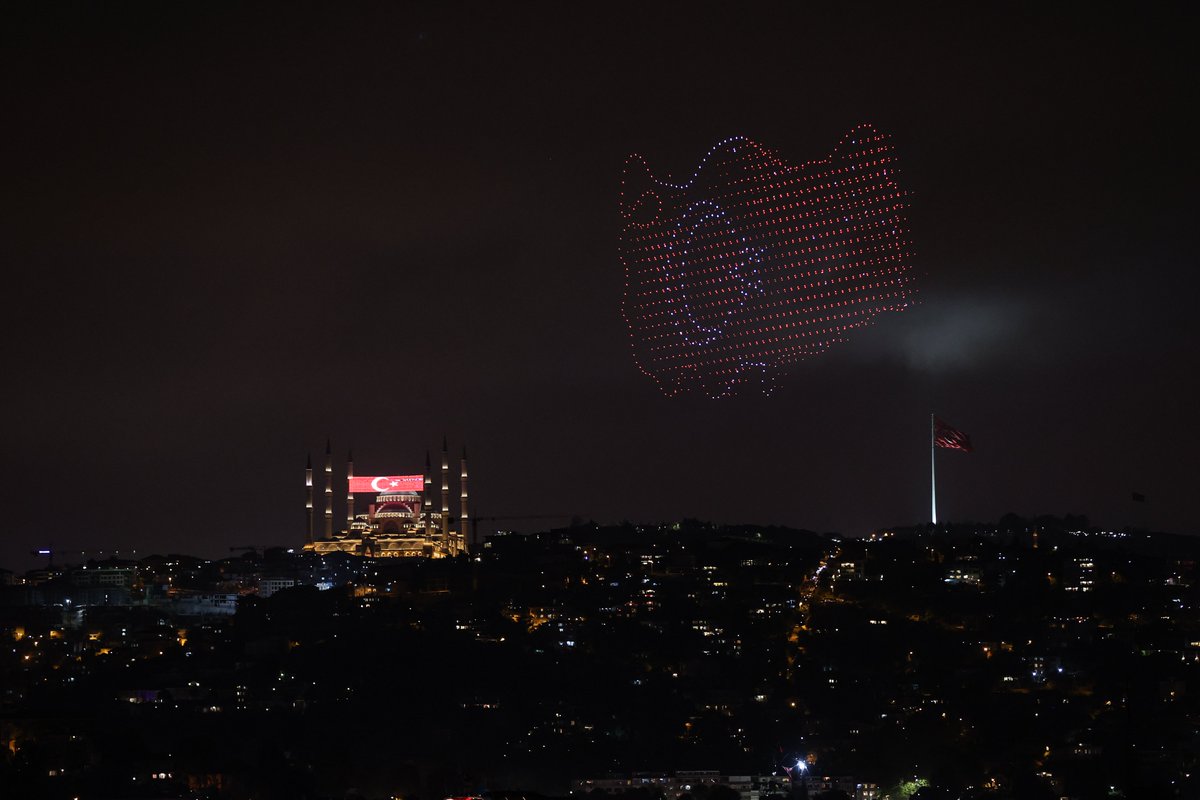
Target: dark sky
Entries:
(231, 232)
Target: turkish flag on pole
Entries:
(950, 438)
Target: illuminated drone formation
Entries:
(753, 264)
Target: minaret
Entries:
(427, 497)
(349, 493)
(308, 504)
(463, 518)
(445, 492)
(328, 491)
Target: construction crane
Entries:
(510, 518)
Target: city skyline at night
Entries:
(826, 373)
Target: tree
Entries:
(905, 789)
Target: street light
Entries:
(802, 770)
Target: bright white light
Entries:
(800, 765)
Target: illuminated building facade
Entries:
(400, 521)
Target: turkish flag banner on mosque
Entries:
(386, 483)
(949, 437)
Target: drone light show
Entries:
(753, 264)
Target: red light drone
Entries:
(753, 264)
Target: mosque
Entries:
(400, 519)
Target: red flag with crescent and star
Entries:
(366, 484)
(949, 437)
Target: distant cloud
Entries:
(950, 331)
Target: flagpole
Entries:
(932, 471)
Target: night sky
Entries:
(229, 233)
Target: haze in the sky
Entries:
(230, 232)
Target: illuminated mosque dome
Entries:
(400, 521)
(396, 511)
